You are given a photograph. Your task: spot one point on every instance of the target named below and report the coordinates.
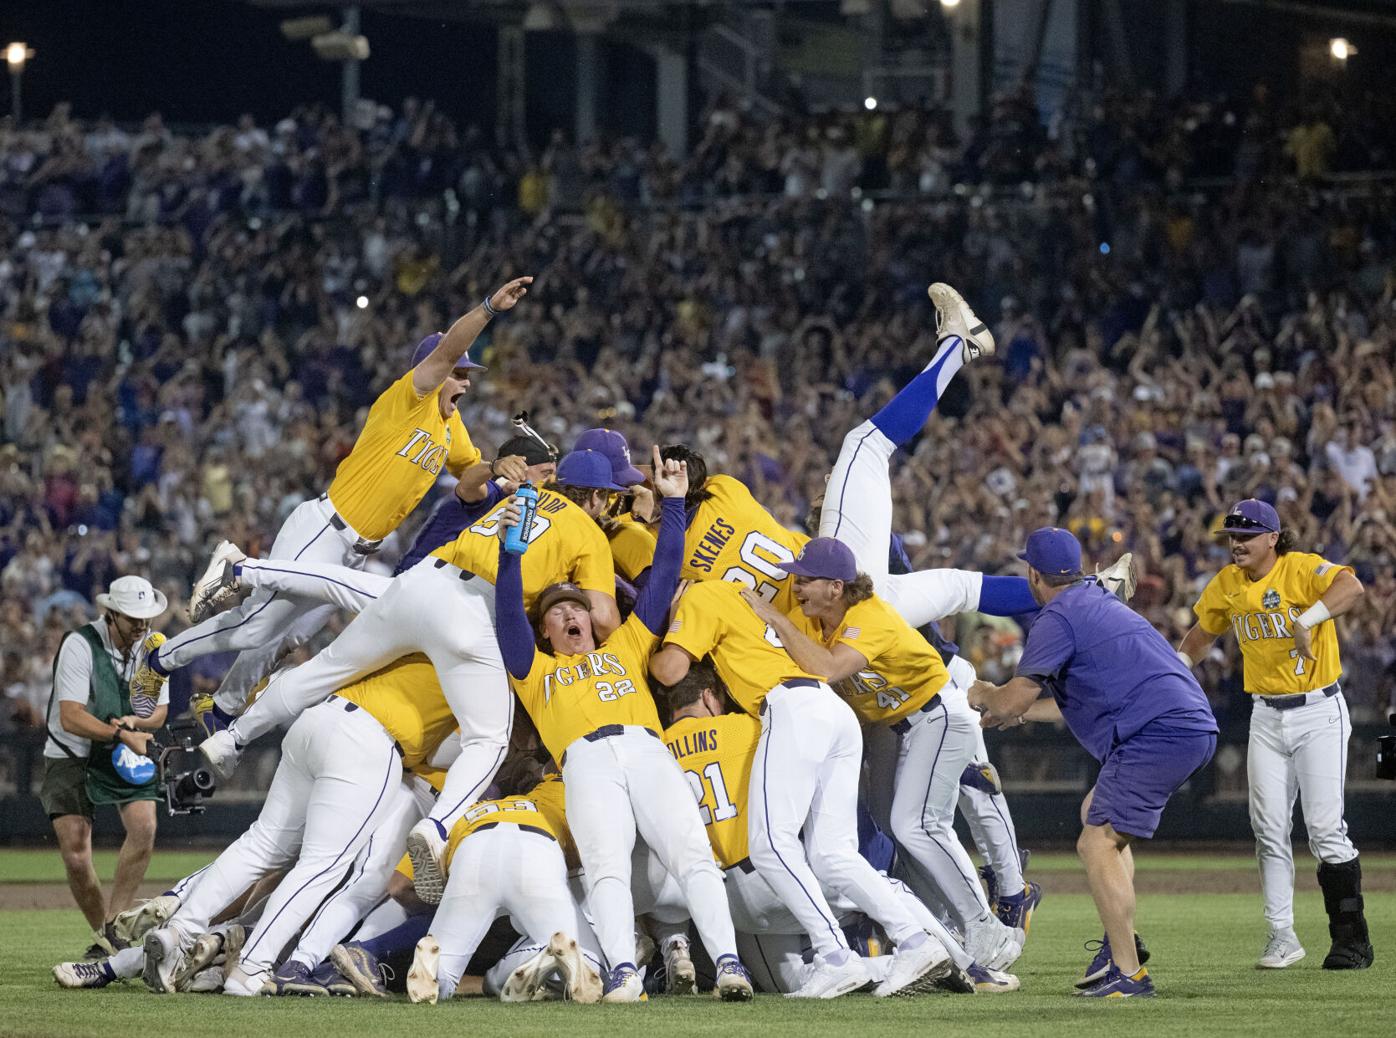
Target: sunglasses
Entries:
(1244, 525)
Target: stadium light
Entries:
(340, 46)
(1341, 49)
(870, 103)
(17, 55)
(949, 4)
(306, 28)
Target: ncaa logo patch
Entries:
(1271, 599)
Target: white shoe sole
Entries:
(155, 958)
(201, 599)
(733, 989)
(935, 971)
(427, 878)
(681, 977)
(1283, 962)
(207, 948)
(582, 983)
(962, 322)
(421, 978)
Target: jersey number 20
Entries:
(762, 564)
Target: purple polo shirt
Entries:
(1110, 671)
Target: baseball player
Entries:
(1132, 705)
(594, 711)
(413, 431)
(96, 733)
(717, 749)
(632, 542)
(339, 786)
(807, 769)
(443, 607)
(1279, 602)
(891, 676)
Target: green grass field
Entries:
(1203, 948)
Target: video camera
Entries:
(184, 774)
(1386, 752)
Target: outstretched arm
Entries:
(652, 607)
(432, 371)
(512, 629)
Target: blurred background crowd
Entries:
(1194, 302)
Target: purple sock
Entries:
(402, 938)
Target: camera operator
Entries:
(90, 721)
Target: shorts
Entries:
(64, 790)
(1141, 773)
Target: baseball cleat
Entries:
(209, 714)
(528, 982)
(219, 585)
(84, 974)
(362, 969)
(680, 978)
(1100, 965)
(623, 984)
(581, 983)
(293, 978)
(334, 982)
(957, 981)
(222, 753)
(1015, 910)
(209, 982)
(207, 947)
(422, 985)
(1281, 950)
(146, 683)
(163, 958)
(915, 970)
(138, 920)
(237, 981)
(991, 982)
(827, 980)
(1119, 577)
(733, 981)
(994, 945)
(954, 317)
(426, 846)
(1116, 985)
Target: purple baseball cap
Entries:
(1053, 551)
(1250, 517)
(617, 451)
(589, 469)
(824, 559)
(428, 344)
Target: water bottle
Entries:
(516, 539)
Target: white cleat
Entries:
(163, 958)
(84, 974)
(237, 981)
(207, 982)
(207, 947)
(138, 920)
(421, 978)
(733, 981)
(625, 985)
(528, 982)
(826, 980)
(1119, 577)
(1282, 950)
(219, 585)
(994, 945)
(580, 982)
(915, 970)
(954, 317)
(680, 978)
(991, 982)
(427, 849)
(221, 752)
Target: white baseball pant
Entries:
(266, 624)
(347, 588)
(436, 609)
(805, 777)
(630, 783)
(1303, 753)
(503, 869)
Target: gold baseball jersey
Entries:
(1263, 613)
(543, 807)
(903, 671)
(565, 544)
(632, 546)
(731, 537)
(713, 619)
(571, 696)
(404, 445)
(715, 754)
(405, 697)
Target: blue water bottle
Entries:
(516, 539)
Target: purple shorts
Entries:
(1141, 773)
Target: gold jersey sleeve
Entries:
(731, 537)
(565, 544)
(543, 807)
(716, 754)
(405, 697)
(404, 445)
(903, 672)
(571, 696)
(713, 619)
(632, 546)
(1263, 612)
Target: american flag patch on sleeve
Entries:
(1322, 568)
(674, 627)
(852, 632)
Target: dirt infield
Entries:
(15, 896)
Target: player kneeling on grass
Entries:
(507, 856)
(594, 711)
(1130, 701)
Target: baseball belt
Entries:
(518, 825)
(1298, 699)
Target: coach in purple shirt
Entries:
(1132, 703)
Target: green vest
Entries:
(109, 700)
